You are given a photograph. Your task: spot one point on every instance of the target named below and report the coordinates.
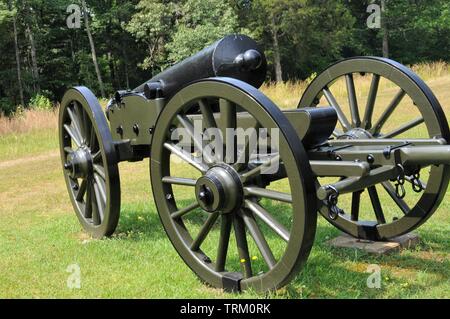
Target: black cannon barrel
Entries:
(236, 56)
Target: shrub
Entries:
(6, 107)
(40, 102)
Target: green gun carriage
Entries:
(246, 226)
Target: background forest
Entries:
(48, 46)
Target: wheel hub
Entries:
(219, 190)
(355, 134)
(79, 163)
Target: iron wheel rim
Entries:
(101, 186)
(437, 127)
(304, 219)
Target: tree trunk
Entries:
(125, 59)
(385, 30)
(34, 65)
(276, 54)
(94, 54)
(112, 70)
(19, 72)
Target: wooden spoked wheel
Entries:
(89, 162)
(378, 98)
(202, 199)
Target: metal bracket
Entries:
(231, 282)
(388, 150)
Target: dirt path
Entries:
(28, 160)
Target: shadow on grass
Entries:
(329, 272)
(143, 220)
(139, 221)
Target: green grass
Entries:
(40, 237)
(13, 146)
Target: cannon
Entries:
(239, 183)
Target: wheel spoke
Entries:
(100, 171)
(404, 128)
(352, 100)
(97, 156)
(371, 99)
(388, 112)
(85, 123)
(179, 181)
(259, 239)
(209, 123)
(228, 117)
(376, 204)
(88, 206)
(259, 169)
(101, 187)
(228, 120)
(80, 115)
(400, 202)
(244, 157)
(89, 128)
(82, 190)
(96, 220)
(204, 231)
(224, 240)
(93, 140)
(341, 116)
(187, 157)
(73, 135)
(99, 201)
(268, 193)
(356, 200)
(268, 219)
(242, 246)
(182, 212)
(75, 124)
(208, 115)
(197, 140)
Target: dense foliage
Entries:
(120, 43)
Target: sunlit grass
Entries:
(40, 235)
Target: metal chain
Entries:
(400, 191)
(416, 183)
(332, 202)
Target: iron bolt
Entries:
(206, 259)
(136, 129)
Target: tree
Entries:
(92, 45)
(306, 35)
(27, 10)
(16, 47)
(200, 23)
(274, 14)
(385, 30)
(152, 25)
(175, 30)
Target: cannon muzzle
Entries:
(235, 56)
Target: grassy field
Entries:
(40, 236)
